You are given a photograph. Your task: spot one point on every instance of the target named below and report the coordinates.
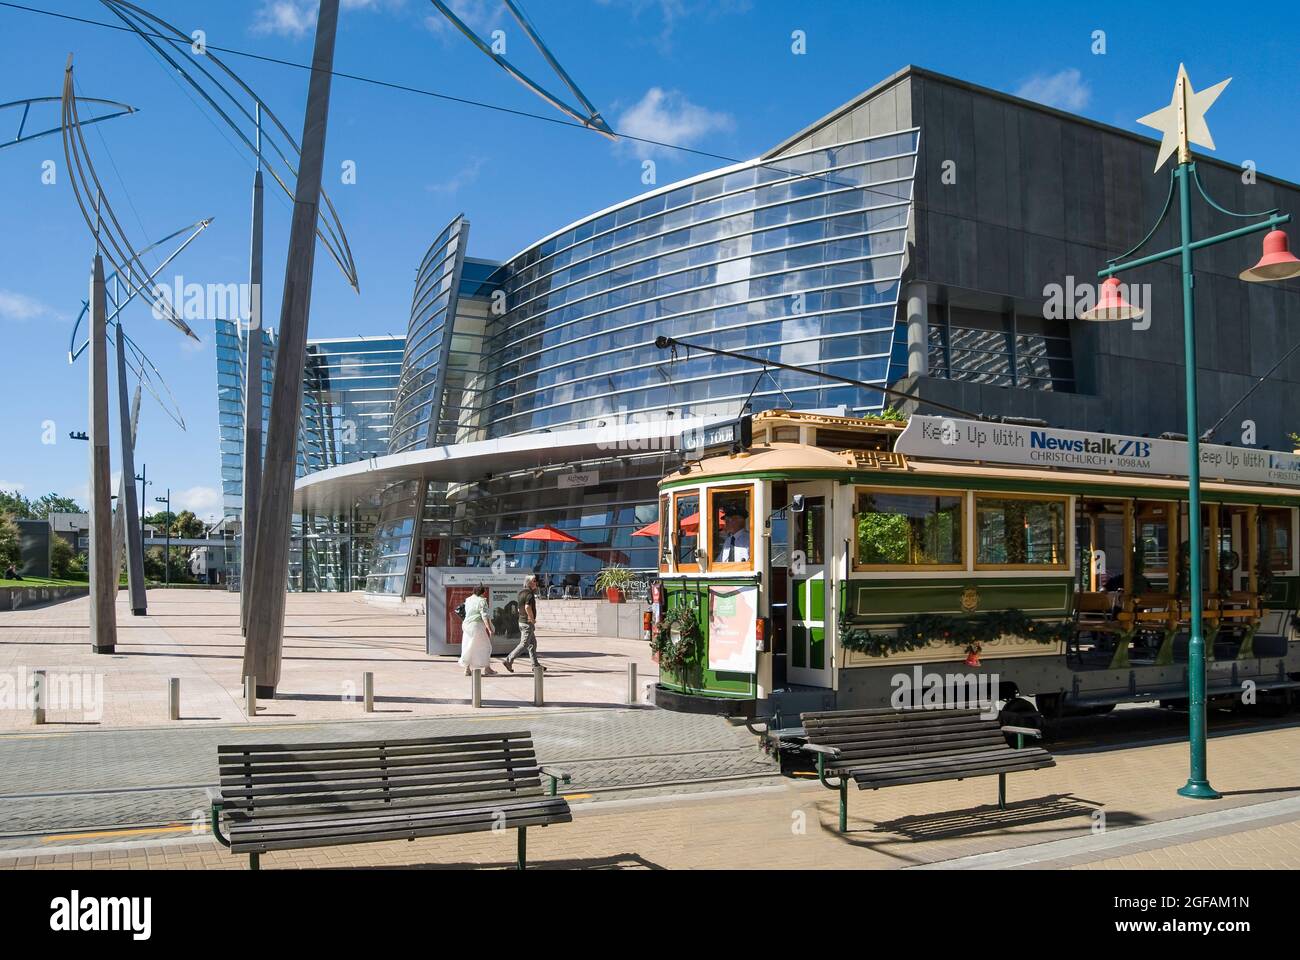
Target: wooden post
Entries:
(1252, 549)
(1212, 581)
(1129, 587)
(1171, 535)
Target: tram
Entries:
(827, 562)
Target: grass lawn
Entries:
(41, 582)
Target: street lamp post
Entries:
(1182, 123)
(167, 538)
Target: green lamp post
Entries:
(1182, 123)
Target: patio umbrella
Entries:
(545, 532)
(690, 524)
(548, 535)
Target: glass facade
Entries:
(347, 402)
(798, 259)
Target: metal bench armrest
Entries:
(1027, 731)
(217, 807)
(556, 776)
(819, 748)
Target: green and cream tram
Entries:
(835, 560)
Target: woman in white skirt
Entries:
(476, 634)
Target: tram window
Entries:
(908, 529)
(665, 542)
(686, 526)
(812, 531)
(730, 514)
(1275, 539)
(1015, 532)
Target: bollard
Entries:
(538, 699)
(368, 685)
(38, 696)
(476, 689)
(631, 683)
(250, 696)
(174, 698)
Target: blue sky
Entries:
(718, 76)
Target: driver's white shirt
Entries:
(733, 547)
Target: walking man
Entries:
(527, 625)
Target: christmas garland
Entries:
(922, 629)
(675, 657)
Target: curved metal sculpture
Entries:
(151, 29)
(122, 110)
(109, 235)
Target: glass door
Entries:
(811, 607)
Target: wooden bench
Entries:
(284, 796)
(887, 748)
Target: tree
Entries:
(162, 521)
(9, 549)
(16, 505)
(188, 526)
(61, 558)
(53, 503)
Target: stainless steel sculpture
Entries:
(278, 160)
(268, 578)
(120, 110)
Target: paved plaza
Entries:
(330, 640)
(651, 788)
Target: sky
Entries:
(717, 76)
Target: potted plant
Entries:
(613, 580)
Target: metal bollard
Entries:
(631, 684)
(476, 689)
(174, 698)
(368, 685)
(250, 696)
(538, 698)
(38, 696)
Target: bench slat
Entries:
(454, 739)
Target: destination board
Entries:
(947, 438)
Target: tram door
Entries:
(811, 608)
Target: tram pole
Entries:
(1186, 112)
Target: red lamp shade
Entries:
(1277, 263)
(1111, 304)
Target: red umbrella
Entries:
(545, 532)
(690, 524)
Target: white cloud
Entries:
(201, 500)
(1066, 89)
(668, 117)
(19, 308)
(462, 178)
(12, 486)
(479, 15)
(296, 18)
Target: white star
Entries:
(1166, 119)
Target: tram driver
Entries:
(731, 544)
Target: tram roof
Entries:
(873, 457)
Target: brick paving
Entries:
(330, 641)
(791, 823)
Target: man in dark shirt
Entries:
(527, 625)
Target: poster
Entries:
(733, 632)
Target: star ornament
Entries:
(1183, 121)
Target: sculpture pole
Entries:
(103, 578)
(126, 488)
(121, 534)
(265, 636)
(252, 479)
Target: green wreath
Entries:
(922, 629)
(675, 656)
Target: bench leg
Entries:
(254, 861)
(523, 847)
(844, 805)
(1002, 791)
